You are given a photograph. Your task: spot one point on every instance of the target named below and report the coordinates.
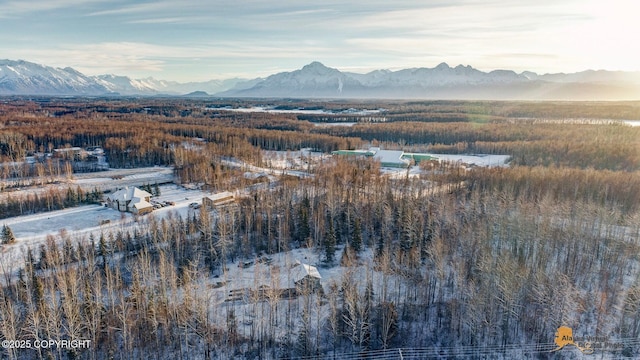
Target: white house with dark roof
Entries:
(131, 199)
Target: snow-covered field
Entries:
(348, 124)
(104, 180)
(300, 159)
(478, 160)
(273, 110)
(82, 221)
(72, 219)
(125, 177)
(93, 218)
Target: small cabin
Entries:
(306, 278)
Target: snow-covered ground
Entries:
(32, 230)
(273, 110)
(478, 160)
(399, 173)
(278, 275)
(300, 159)
(327, 124)
(125, 177)
(51, 223)
(104, 180)
(91, 218)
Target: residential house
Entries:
(131, 199)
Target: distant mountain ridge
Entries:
(316, 80)
(22, 77)
(444, 82)
(19, 77)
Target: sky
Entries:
(199, 40)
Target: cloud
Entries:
(167, 20)
(144, 8)
(144, 59)
(13, 8)
(101, 58)
(170, 37)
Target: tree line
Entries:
(450, 258)
(468, 263)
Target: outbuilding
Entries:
(219, 199)
(306, 278)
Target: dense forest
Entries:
(455, 263)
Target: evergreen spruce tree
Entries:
(44, 256)
(38, 290)
(7, 235)
(330, 243)
(356, 236)
(71, 198)
(304, 230)
(70, 253)
(408, 235)
(379, 245)
(102, 251)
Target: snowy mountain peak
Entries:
(315, 65)
(23, 77)
(7, 62)
(464, 68)
(443, 66)
(318, 68)
(529, 75)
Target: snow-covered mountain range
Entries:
(318, 81)
(26, 78)
(22, 77)
(444, 82)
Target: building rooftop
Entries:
(220, 195)
(390, 157)
(129, 193)
(301, 271)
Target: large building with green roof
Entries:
(387, 158)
